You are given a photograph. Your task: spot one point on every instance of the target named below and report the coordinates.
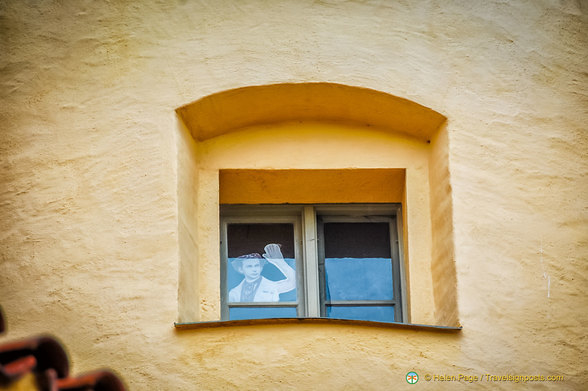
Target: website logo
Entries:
(412, 377)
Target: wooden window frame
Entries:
(309, 250)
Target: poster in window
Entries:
(262, 267)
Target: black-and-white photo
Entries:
(254, 287)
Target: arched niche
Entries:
(221, 140)
(226, 111)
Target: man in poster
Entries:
(256, 288)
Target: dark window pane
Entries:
(252, 238)
(236, 313)
(358, 279)
(250, 276)
(357, 240)
(374, 313)
(358, 265)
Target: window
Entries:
(335, 261)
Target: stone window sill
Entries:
(329, 321)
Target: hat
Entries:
(237, 262)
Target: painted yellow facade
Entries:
(109, 198)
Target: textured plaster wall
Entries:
(90, 229)
(443, 252)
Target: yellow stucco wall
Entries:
(316, 186)
(92, 155)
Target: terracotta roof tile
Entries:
(103, 380)
(43, 361)
(47, 351)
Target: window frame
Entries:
(262, 219)
(308, 249)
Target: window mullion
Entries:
(265, 304)
(311, 262)
(364, 303)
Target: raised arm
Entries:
(273, 254)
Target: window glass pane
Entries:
(236, 313)
(374, 313)
(358, 279)
(261, 265)
(358, 264)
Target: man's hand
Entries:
(272, 251)
(273, 254)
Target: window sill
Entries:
(331, 321)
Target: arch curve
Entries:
(229, 110)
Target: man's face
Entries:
(251, 269)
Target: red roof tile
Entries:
(45, 358)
